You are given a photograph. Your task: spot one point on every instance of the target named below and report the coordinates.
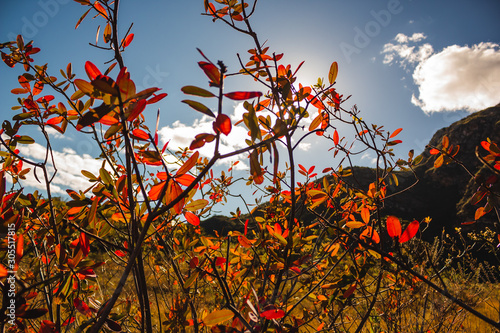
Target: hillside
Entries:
(442, 193)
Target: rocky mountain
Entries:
(442, 193)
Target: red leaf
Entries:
(120, 253)
(212, 72)
(350, 291)
(192, 218)
(82, 307)
(84, 244)
(393, 226)
(273, 314)
(200, 140)
(193, 263)
(242, 95)
(220, 261)
(410, 232)
(19, 248)
(222, 124)
(157, 98)
(434, 151)
(128, 40)
(336, 137)
(136, 109)
(140, 134)
(92, 70)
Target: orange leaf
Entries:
(393, 226)
(173, 191)
(434, 151)
(55, 120)
(100, 9)
(155, 191)
(3, 271)
(396, 132)
(479, 212)
(409, 232)
(188, 164)
(192, 218)
(185, 180)
(365, 214)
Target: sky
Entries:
(419, 65)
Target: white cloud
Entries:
(371, 160)
(456, 78)
(68, 164)
(181, 135)
(408, 54)
(53, 132)
(304, 146)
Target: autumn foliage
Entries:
(318, 254)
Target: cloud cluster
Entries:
(456, 78)
(180, 135)
(68, 165)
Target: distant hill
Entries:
(442, 193)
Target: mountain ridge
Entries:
(443, 193)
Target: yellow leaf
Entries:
(354, 224)
(218, 317)
(332, 74)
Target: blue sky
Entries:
(415, 64)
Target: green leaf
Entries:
(89, 175)
(199, 107)
(190, 281)
(24, 139)
(105, 176)
(218, 317)
(196, 91)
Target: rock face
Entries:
(442, 193)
